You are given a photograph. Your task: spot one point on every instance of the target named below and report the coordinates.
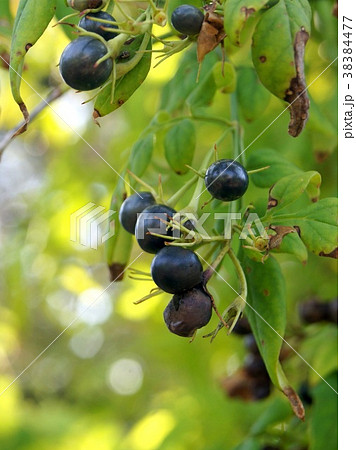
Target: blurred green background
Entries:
(116, 378)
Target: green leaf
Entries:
(184, 82)
(126, 85)
(266, 310)
(141, 155)
(293, 245)
(6, 19)
(63, 10)
(278, 42)
(288, 189)
(321, 350)
(239, 14)
(179, 144)
(279, 167)
(323, 421)
(203, 92)
(276, 412)
(322, 132)
(224, 77)
(252, 96)
(32, 18)
(249, 444)
(273, 43)
(317, 226)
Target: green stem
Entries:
(240, 274)
(209, 272)
(177, 196)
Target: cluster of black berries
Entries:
(78, 64)
(252, 382)
(175, 270)
(313, 311)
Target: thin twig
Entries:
(56, 93)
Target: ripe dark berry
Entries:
(176, 269)
(187, 312)
(132, 207)
(187, 19)
(255, 367)
(150, 220)
(333, 311)
(242, 327)
(81, 5)
(226, 180)
(313, 311)
(250, 344)
(97, 27)
(78, 60)
(261, 389)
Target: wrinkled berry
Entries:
(187, 312)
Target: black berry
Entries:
(226, 180)
(313, 311)
(132, 207)
(242, 327)
(81, 5)
(255, 367)
(176, 269)
(251, 344)
(187, 312)
(187, 19)
(97, 27)
(151, 220)
(78, 60)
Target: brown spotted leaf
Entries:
(278, 56)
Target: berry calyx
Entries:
(176, 269)
(187, 19)
(132, 207)
(226, 180)
(151, 220)
(97, 27)
(77, 64)
(187, 312)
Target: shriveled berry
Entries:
(81, 5)
(152, 220)
(97, 27)
(77, 64)
(176, 269)
(187, 312)
(187, 19)
(132, 207)
(226, 180)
